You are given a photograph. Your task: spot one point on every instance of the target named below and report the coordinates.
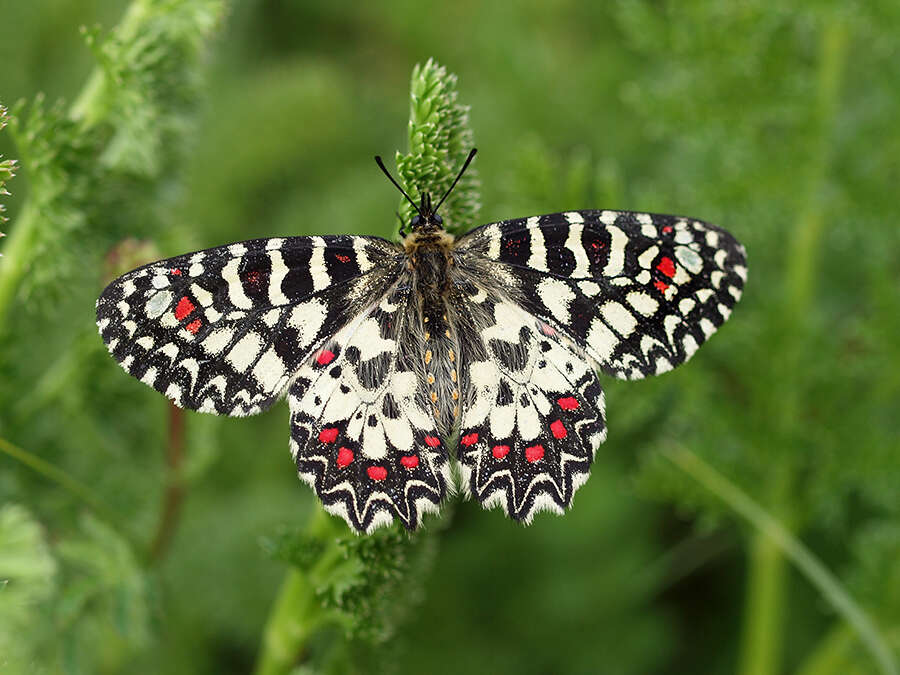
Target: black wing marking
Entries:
(638, 292)
(225, 329)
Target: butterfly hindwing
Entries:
(224, 330)
(532, 413)
(361, 430)
(638, 292)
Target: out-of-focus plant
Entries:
(110, 158)
(795, 436)
(103, 166)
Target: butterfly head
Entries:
(427, 218)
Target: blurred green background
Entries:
(783, 125)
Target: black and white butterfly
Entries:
(401, 359)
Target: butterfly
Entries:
(402, 360)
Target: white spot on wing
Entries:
(317, 270)
(538, 257)
(217, 340)
(589, 288)
(307, 318)
(616, 261)
(242, 354)
(557, 296)
(642, 302)
(277, 275)
(233, 282)
(618, 318)
(602, 340)
(269, 371)
(574, 244)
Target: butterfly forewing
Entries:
(225, 329)
(638, 292)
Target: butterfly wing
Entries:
(638, 292)
(532, 413)
(224, 330)
(361, 430)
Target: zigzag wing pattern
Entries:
(361, 432)
(638, 292)
(224, 330)
(532, 413)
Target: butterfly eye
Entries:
(437, 219)
(416, 221)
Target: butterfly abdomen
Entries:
(430, 259)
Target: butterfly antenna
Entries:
(458, 176)
(396, 184)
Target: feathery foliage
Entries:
(439, 141)
(130, 534)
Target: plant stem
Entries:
(297, 611)
(174, 486)
(830, 655)
(288, 626)
(16, 256)
(791, 547)
(60, 477)
(763, 615)
(761, 641)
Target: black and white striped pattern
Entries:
(400, 360)
(224, 330)
(638, 292)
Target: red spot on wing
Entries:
(184, 307)
(667, 229)
(469, 439)
(328, 435)
(325, 357)
(175, 271)
(667, 267)
(500, 451)
(534, 453)
(661, 286)
(345, 456)
(252, 277)
(568, 403)
(343, 258)
(548, 330)
(377, 472)
(558, 429)
(194, 326)
(432, 441)
(410, 461)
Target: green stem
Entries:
(17, 256)
(761, 641)
(61, 478)
(766, 582)
(297, 612)
(791, 547)
(830, 656)
(289, 626)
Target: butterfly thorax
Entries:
(430, 262)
